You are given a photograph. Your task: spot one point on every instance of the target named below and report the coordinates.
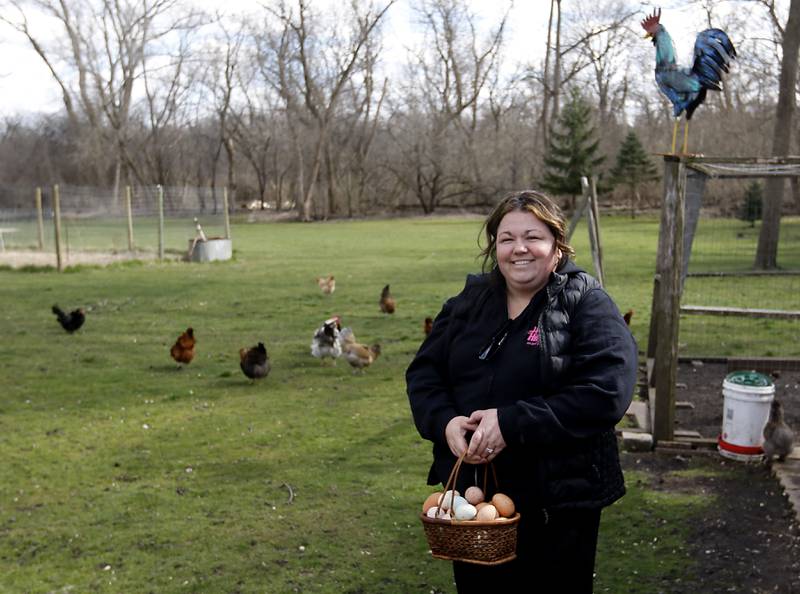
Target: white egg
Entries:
(432, 511)
(459, 501)
(466, 512)
(447, 497)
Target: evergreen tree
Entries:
(573, 150)
(752, 203)
(633, 168)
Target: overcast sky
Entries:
(26, 85)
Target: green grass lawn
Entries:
(121, 473)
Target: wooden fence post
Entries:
(160, 192)
(39, 217)
(227, 214)
(669, 263)
(57, 222)
(129, 212)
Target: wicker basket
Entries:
(484, 543)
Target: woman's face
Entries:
(526, 251)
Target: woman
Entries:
(530, 367)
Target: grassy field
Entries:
(122, 473)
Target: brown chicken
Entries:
(183, 349)
(360, 355)
(254, 361)
(427, 326)
(327, 284)
(387, 302)
(627, 316)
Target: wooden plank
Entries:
(684, 404)
(763, 364)
(740, 311)
(738, 273)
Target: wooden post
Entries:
(129, 212)
(39, 218)
(160, 192)
(227, 214)
(57, 222)
(669, 263)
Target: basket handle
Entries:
(451, 480)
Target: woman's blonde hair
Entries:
(540, 206)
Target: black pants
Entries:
(556, 556)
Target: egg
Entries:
(504, 505)
(481, 505)
(466, 511)
(447, 499)
(432, 511)
(431, 501)
(458, 502)
(474, 495)
(487, 513)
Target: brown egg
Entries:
(487, 513)
(504, 505)
(481, 505)
(432, 500)
(474, 495)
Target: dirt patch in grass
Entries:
(22, 258)
(749, 539)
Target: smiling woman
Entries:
(529, 368)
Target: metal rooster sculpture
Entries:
(686, 87)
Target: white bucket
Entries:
(748, 396)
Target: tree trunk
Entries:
(767, 252)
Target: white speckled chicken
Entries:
(325, 343)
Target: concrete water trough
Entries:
(213, 248)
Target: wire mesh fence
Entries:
(743, 311)
(133, 222)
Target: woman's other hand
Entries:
(487, 440)
(456, 432)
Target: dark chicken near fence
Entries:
(70, 321)
(778, 437)
(254, 361)
(183, 349)
(387, 302)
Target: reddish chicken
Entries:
(427, 326)
(183, 349)
(387, 302)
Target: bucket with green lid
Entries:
(747, 399)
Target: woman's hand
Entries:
(487, 440)
(455, 433)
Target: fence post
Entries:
(227, 214)
(130, 217)
(160, 192)
(39, 217)
(669, 262)
(57, 221)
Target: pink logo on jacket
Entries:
(533, 337)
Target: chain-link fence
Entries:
(143, 222)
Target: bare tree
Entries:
(315, 64)
(107, 44)
(767, 251)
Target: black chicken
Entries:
(254, 361)
(686, 88)
(70, 321)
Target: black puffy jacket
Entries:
(561, 448)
